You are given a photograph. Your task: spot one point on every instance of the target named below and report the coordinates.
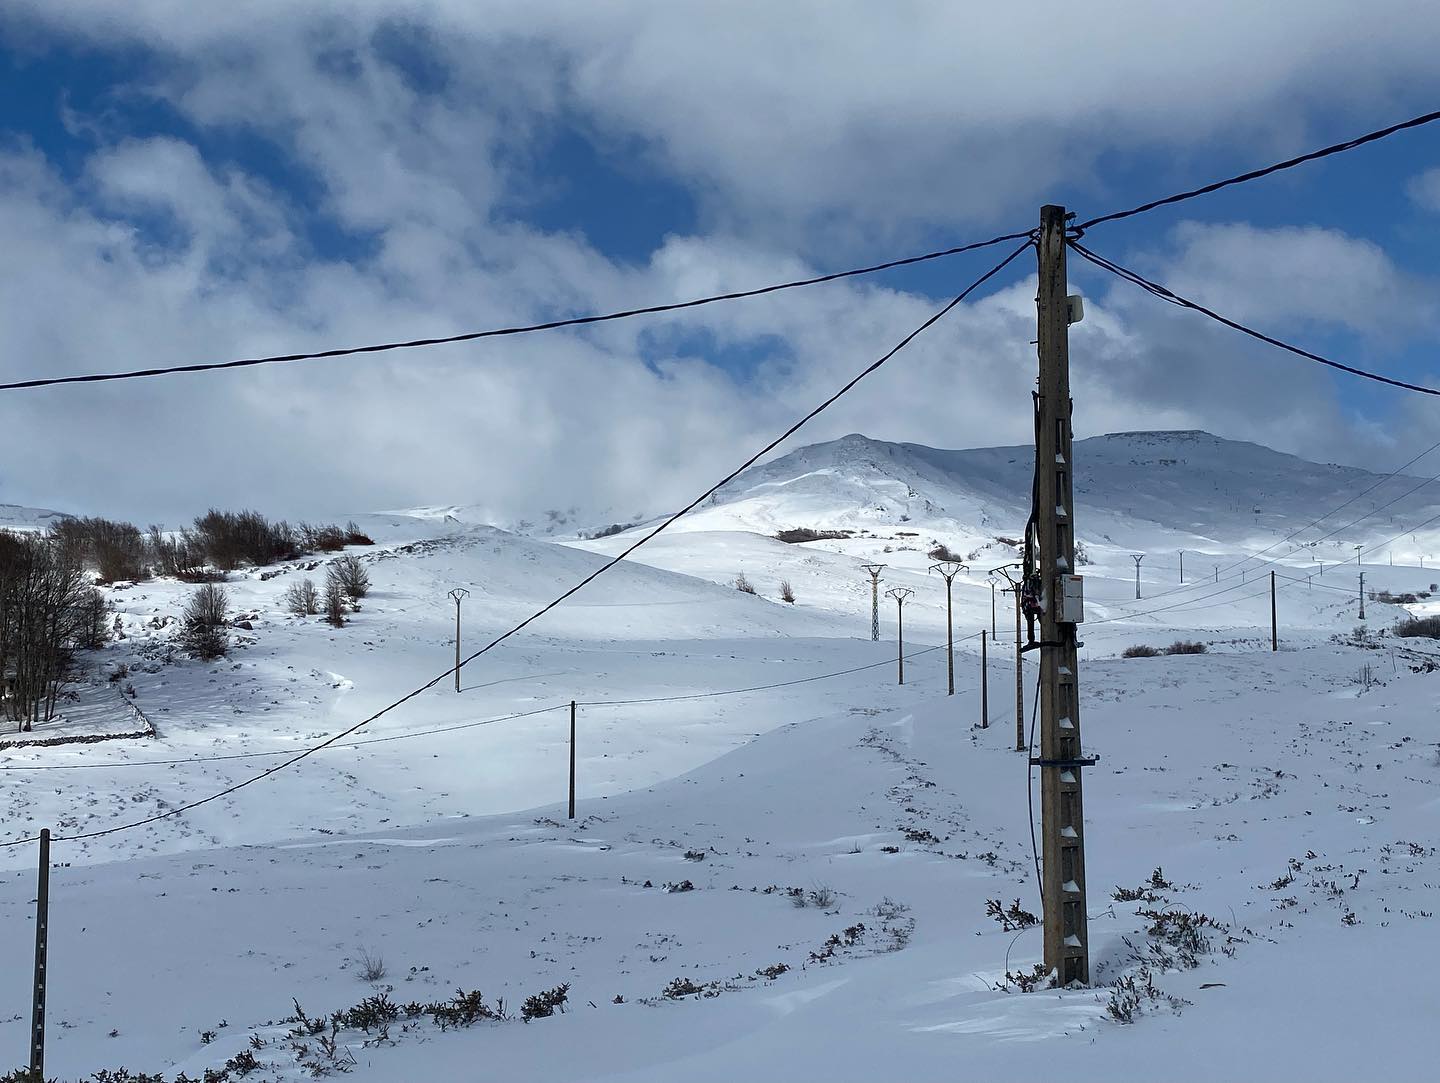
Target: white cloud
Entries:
(1286, 276)
(1424, 189)
(802, 128)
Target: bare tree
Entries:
(48, 610)
(334, 602)
(302, 599)
(203, 625)
(350, 574)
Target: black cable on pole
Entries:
(870, 368)
(1256, 174)
(1166, 294)
(501, 332)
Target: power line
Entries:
(1256, 174)
(501, 332)
(1166, 294)
(1316, 522)
(180, 760)
(759, 687)
(794, 428)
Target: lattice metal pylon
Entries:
(874, 570)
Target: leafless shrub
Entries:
(203, 623)
(351, 575)
(787, 592)
(1186, 646)
(334, 603)
(372, 966)
(1140, 650)
(302, 599)
(743, 584)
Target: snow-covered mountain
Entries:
(19, 517)
(1204, 490)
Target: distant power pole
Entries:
(949, 569)
(1362, 595)
(1182, 565)
(1067, 933)
(1274, 627)
(1357, 555)
(457, 594)
(993, 631)
(874, 570)
(984, 682)
(1014, 589)
(900, 594)
(1217, 573)
(1137, 560)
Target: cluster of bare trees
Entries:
(218, 542)
(226, 540)
(346, 582)
(48, 611)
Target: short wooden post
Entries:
(572, 759)
(1274, 626)
(42, 942)
(984, 682)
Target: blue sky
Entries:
(183, 183)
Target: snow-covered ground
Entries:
(1289, 797)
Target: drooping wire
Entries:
(1165, 294)
(501, 332)
(1030, 794)
(409, 734)
(181, 760)
(804, 420)
(1345, 504)
(1256, 174)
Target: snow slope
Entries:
(18, 517)
(1290, 796)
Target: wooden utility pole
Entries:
(1274, 627)
(900, 594)
(874, 570)
(984, 683)
(949, 569)
(572, 759)
(1067, 936)
(42, 948)
(457, 594)
(1014, 588)
(1362, 595)
(1182, 565)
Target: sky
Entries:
(188, 182)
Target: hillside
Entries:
(1192, 486)
(738, 756)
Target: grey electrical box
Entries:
(1074, 308)
(1072, 599)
